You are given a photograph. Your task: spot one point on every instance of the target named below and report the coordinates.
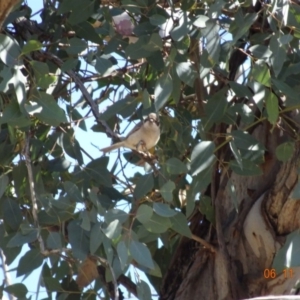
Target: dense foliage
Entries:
(213, 71)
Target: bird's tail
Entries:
(112, 147)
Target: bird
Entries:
(144, 136)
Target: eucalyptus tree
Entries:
(212, 211)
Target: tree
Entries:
(213, 212)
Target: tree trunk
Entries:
(246, 238)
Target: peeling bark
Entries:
(252, 236)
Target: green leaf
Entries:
(10, 50)
(272, 108)
(29, 262)
(242, 29)
(186, 73)
(157, 269)
(46, 80)
(104, 66)
(157, 224)
(279, 54)
(141, 254)
(261, 73)
(116, 214)
(10, 253)
(39, 68)
(146, 99)
(295, 195)
(72, 191)
(144, 185)
(132, 6)
(51, 284)
(54, 240)
(76, 116)
(18, 290)
(198, 185)
(3, 184)
(260, 51)
(180, 225)
(124, 107)
(211, 34)
(176, 91)
(32, 45)
(243, 140)
(76, 46)
(81, 10)
(84, 216)
(157, 20)
(109, 252)
(202, 157)
(78, 239)
(143, 291)
(42, 74)
(167, 190)
(12, 213)
(285, 151)
(97, 170)
(249, 168)
(201, 20)
(96, 238)
(163, 90)
(288, 256)
(13, 116)
(233, 195)
(72, 147)
(69, 64)
(183, 45)
(178, 32)
(86, 31)
(240, 90)
(164, 210)
(215, 108)
(47, 110)
(285, 39)
(155, 43)
(186, 5)
(122, 253)
(206, 208)
(144, 213)
(285, 89)
(137, 50)
(236, 153)
(113, 230)
(20, 239)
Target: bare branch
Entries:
(204, 243)
(5, 9)
(32, 190)
(6, 274)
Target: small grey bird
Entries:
(143, 136)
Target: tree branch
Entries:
(6, 274)
(85, 93)
(234, 283)
(5, 9)
(32, 190)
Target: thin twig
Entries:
(6, 274)
(84, 92)
(104, 262)
(47, 253)
(204, 243)
(32, 190)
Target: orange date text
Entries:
(271, 273)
